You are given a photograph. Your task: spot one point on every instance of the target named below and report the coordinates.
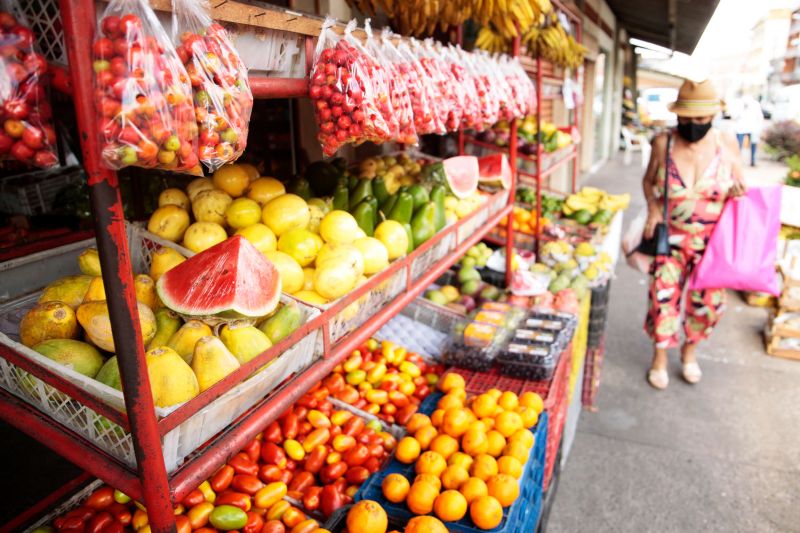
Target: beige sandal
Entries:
(658, 378)
(691, 372)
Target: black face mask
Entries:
(693, 132)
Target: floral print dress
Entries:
(693, 213)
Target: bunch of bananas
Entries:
(551, 42)
(593, 200)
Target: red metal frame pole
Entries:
(578, 76)
(78, 18)
(512, 156)
(538, 155)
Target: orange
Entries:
(532, 399)
(420, 499)
(508, 401)
(395, 488)
(453, 476)
(518, 450)
(425, 524)
(436, 417)
(450, 506)
(504, 488)
(474, 442)
(430, 463)
(429, 478)
(529, 416)
(479, 425)
(507, 423)
(494, 393)
(523, 436)
(450, 381)
(459, 393)
(460, 459)
(416, 422)
(496, 443)
(408, 449)
(455, 422)
(449, 401)
(444, 445)
(486, 512)
(367, 515)
(510, 465)
(484, 467)
(488, 422)
(473, 488)
(484, 405)
(425, 436)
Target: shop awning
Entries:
(676, 24)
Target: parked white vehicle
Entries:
(786, 105)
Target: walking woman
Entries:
(701, 169)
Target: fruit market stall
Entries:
(227, 362)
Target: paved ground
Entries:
(720, 456)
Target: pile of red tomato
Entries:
(27, 134)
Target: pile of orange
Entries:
(368, 515)
(524, 220)
(468, 455)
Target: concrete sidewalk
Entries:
(720, 456)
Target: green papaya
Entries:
(352, 181)
(341, 198)
(361, 191)
(167, 323)
(423, 225)
(403, 208)
(438, 194)
(379, 190)
(420, 196)
(365, 217)
(287, 319)
(410, 234)
(388, 204)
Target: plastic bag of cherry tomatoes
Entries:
(403, 119)
(27, 133)
(223, 100)
(144, 97)
(446, 105)
(523, 90)
(488, 103)
(420, 87)
(456, 59)
(349, 92)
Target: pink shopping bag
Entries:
(741, 253)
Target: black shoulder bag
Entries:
(658, 245)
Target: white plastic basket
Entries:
(426, 259)
(186, 437)
(476, 220)
(422, 327)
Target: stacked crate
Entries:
(783, 328)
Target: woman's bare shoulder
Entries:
(659, 140)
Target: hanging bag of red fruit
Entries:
(143, 95)
(403, 115)
(346, 105)
(420, 89)
(26, 117)
(221, 92)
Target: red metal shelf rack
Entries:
(149, 482)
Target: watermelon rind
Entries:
(462, 175)
(230, 281)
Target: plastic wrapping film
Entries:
(457, 61)
(442, 103)
(27, 133)
(143, 92)
(348, 107)
(403, 120)
(223, 100)
(419, 85)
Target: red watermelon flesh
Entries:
(495, 170)
(230, 280)
(462, 175)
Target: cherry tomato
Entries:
(274, 526)
(222, 479)
(353, 426)
(315, 459)
(356, 456)
(236, 499)
(356, 475)
(301, 481)
(290, 425)
(273, 454)
(242, 464)
(311, 498)
(269, 473)
(102, 498)
(330, 500)
(331, 473)
(273, 433)
(255, 524)
(253, 449)
(193, 498)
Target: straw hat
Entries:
(696, 99)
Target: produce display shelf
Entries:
(200, 466)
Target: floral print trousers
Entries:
(703, 308)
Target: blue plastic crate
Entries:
(428, 405)
(515, 518)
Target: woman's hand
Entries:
(654, 218)
(739, 188)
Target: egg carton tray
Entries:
(181, 441)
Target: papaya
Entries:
(50, 320)
(70, 290)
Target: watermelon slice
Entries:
(495, 171)
(462, 175)
(231, 280)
